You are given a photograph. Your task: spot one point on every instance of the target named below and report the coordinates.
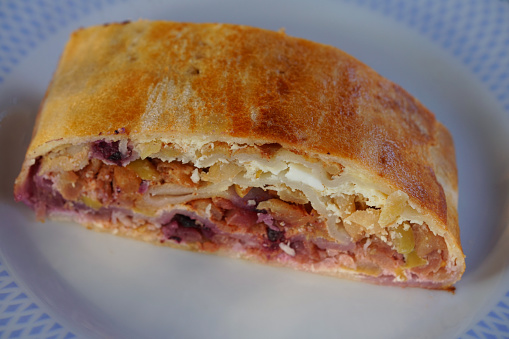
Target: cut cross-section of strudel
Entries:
(249, 143)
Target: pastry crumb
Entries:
(195, 177)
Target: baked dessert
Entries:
(249, 143)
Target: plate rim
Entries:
(488, 324)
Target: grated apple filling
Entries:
(216, 208)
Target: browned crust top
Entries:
(235, 81)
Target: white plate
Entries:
(62, 281)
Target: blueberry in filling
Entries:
(274, 236)
(185, 221)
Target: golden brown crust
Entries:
(228, 81)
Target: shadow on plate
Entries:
(16, 125)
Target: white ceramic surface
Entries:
(61, 281)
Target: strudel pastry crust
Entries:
(250, 143)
